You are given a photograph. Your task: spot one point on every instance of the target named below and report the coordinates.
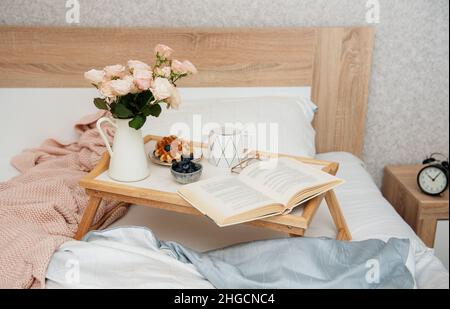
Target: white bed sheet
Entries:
(132, 263)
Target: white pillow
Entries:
(282, 124)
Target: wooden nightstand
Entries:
(422, 212)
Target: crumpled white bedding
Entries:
(368, 216)
(299, 262)
(130, 263)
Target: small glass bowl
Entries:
(185, 178)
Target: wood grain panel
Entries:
(340, 87)
(336, 62)
(57, 57)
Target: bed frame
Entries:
(335, 62)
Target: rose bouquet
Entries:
(137, 90)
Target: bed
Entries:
(367, 213)
(331, 65)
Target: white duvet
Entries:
(105, 264)
(108, 264)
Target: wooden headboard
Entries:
(335, 62)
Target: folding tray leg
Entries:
(343, 232)
(88, 216)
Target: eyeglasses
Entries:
(251, 157)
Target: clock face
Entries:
(432, 180)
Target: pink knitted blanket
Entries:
(41, 208)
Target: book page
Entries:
(227, 196)
(283, 178)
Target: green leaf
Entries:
(154, 110)
(112, 107)
(144, 98)
(100, 103)
(146, 110)
(122, 112)
(137, 122)
(126, 100)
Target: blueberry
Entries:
(176, 166)
(167, 148)
(186, 166)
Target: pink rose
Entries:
(143, 84)
(142, 74)
(117, 70)
(136, 65)
(130, 79)
(163, 71)
(106, 89)
(162, 88)
(95, 76)
(143, 79)
(121, 87)
(163, 51)
(190, 68)
(179, 67)
(174, 100)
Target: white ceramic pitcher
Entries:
(128, 161)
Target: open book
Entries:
(261, 190)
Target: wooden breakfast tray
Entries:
(159, 191)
